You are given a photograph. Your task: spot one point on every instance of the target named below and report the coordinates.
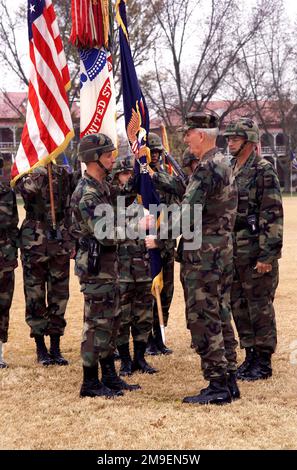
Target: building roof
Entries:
(269, 109)
(13, 106)
(10, 103)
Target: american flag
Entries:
(48, 128)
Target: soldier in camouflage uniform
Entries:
(8, 258)
(45, 255)
(96, 265)
(136, 300)
(155, 342)
(257, 246)
(190, 162)
(206, 272)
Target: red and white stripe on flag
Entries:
(48, 128)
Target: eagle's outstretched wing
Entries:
(134, 126)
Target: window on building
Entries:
(266, 140)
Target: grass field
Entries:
(40, 407)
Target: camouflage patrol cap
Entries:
(123, 164)
(155, 142)
(92, 146)
(200, 120)
(188, 158)
(243, 127)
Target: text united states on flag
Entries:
(48, 128)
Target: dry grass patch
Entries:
(40, 407)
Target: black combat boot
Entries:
(151, 347)
(55, 352)
(261, 368)
(126, 361)
(42, 354)
(139, 363)
(217, 393)
(162, 348)
(110, 377)
(250, 356)
(92, 387)
(232, 385)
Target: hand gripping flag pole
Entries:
(48, 128)
(137, 128)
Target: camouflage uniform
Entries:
(135, 288)
(136, 300)
(8, 253)
(46, 254)
(96, 265)
(101, 291)
(206, 274)
(256, 239)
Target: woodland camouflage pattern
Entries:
(206, 272)
(135, 288)
(253, 293)
(8, 253)
(45, 257)
(101, 292)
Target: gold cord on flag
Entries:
(119, 19)
(106, 24)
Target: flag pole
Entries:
(160, 312)
(50, 181)
(291, 178)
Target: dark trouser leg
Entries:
(101, 321)
(225, 313)
(57, 293)
(6, 294)
(204, 321)
(35, 269)
(259, 291)
(240, 308)
(126, 295)
(142, 311)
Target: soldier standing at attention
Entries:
(46, 257)
(258, 238)
(136, 300)
(96, 265)
(206, 272)
(8, 258)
